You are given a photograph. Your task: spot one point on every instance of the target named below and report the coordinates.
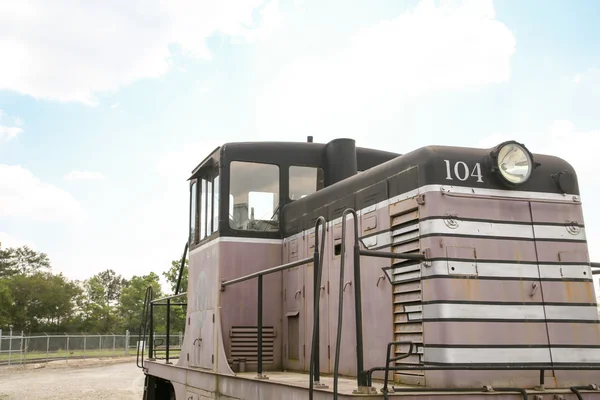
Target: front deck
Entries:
(198, 384)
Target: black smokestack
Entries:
(340, 160)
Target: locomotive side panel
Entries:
(238, 312)
(508, 284)
(199, 346)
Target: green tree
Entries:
(131, 302)
(172, 274)
(6, 301)
(103, 291)
(40, 301)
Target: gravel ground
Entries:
(97, 379)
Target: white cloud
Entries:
(590, 77)
(453, 46)
(71, 51)
(83, 176)
(8, 130)
(23, 195)
(7, 240)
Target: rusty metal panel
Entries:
(404, 218)
(407, 297)
(408, 287)
(406, 247)
(401, 207)
(557, 213)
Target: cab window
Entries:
(304, 181)
(254, 196)
(204, 207)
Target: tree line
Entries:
(35, 299)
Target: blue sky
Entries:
(105, 109)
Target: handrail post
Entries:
(361, 377)
(314, 376)
(317, 289)
(259, 359)
(168, 329)
(151, 335)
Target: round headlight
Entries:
(513, 162)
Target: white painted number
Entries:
(461, 171)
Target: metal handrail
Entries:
(266, 272)
(362, 379)
(542, 367)
(145, 312)
(175, 296)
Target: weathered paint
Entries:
(237, 304)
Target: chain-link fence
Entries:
(17, 348)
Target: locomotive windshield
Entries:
(254, 196)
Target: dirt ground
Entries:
(98, 379)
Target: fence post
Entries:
(0, 340)
(114, 339)
(127, 342)
(9, 345)
(47, 346)
(67, 346)
(84, 344)
(22, 349)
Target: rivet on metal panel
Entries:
(538, 397)
(558, 397)
(421, 199)
(575, 198)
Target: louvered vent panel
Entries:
(244, 343)
(404, 217)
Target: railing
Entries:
(168, 304)
(148, 311)
(542, 367)
(259, 275)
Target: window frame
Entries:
(280, 194)
(319, 171)
(205, 225)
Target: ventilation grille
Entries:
(244, 343)
(406, 275)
